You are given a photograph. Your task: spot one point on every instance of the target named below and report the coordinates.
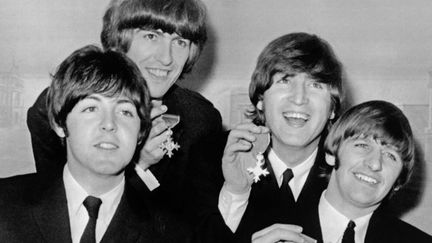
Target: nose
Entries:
(374, 161)
(164, 52)
(299, 93)
(108, 122)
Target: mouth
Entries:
(365, 178)
(158, 73)
(296, 118)
(106, 146)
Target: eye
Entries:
(284, 80)
(89, 109)
(317, 85)
(182, 43)
(127, 113)
(150, 36)
(393, 157)
(361, 145)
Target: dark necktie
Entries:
(348, 236)
(92, 205)
(286, 193)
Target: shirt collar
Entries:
(299, 171)
(333, 223)
(76, 195)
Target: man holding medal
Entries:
(164, 38)
(296, 92)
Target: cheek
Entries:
(132, 132)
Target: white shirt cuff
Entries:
(232, 207)
(147, 177)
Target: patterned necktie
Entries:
(287, 195)
(92, 205)
(348, 236)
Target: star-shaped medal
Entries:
(257, 171)
(259, 147)
(169, 145)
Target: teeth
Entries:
(107, 146)
(366, 178)
(158, 72)
(296, 115)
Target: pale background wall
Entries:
(385, 46)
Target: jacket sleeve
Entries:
(48, 151)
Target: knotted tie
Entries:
(92, 205)
(348, 236)
(286, 192)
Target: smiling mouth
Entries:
(106, 146)
(160, 73)
(296, 118)
(366, 179)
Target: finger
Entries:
(231, 150)
(277, 235)
(156, 153)
(287, 227)
(154, 142)
(238, 135)
(157, 129)
(157, 110)
(249, 126)
(308, 239)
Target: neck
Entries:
(293, 155)
(351, 210)
(96, 184)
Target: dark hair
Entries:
(376, 119)
(185, 17)
(91, 70)
(299, 53)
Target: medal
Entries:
(259, 147)
(169, 145)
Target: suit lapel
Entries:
(122, 227)
(263, 208)
(315, 183)
(131, 221)
(51, 213)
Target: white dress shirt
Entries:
(333, 223)
(78, 215)
(232, 206)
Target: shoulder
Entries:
(192, 100)
(194, 109)
(40, 103)
(21, 188)
(395, 229)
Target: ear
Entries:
(259, 105)
(60, 132)
(330, 159)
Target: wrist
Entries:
(237, 189)
(144, 166)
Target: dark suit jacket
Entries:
(264, 206)
(34, 209)
(382, 228)
(199, 122)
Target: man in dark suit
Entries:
(99, 105)
(164, 38)
(371, 148)
(296, 92)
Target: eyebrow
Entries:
(122, 100)
(125, 101)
